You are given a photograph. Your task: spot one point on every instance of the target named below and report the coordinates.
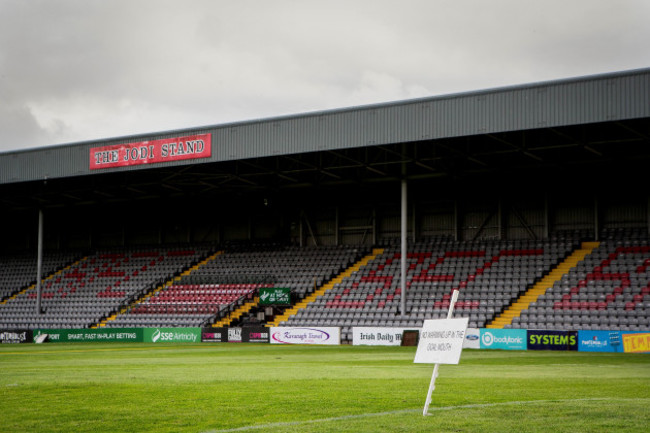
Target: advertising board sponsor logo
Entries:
(290, 335)
(505, 339)
(372, 336)
(599, 341)
(96, 335)
(472, 339)
(171, 335)
(215, 335)
(257, 334)
(150, 152)
(636, 342)
(552, 340)
(234, 335)
(15, 336)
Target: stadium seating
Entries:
(610, 289)
(197, 299)
(80, 295)
(489, 276)
(19, 272)
(191, 305)
(171, 286)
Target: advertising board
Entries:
(599, 341)
(504, 339)
(214, 335)
(472, 339)
(636, 342)
(255, 334)
(172, 335)
(15, 336)
(306, 335)
(552, 340)
(234, 335)
(374, 336)
(121, 335)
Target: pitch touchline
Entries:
(403, 411)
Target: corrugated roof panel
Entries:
(607, 97)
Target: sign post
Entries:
(441, 342)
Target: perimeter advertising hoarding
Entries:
(255, 334)
(121, 335)
(248, 334)
(214, 335)
(472, 339)
(636, 342)
(614, 341)
(151, 152)
(172, 335)
(306, 335)
(372, 336)
(552, 340)
(600, 341)
(505, 339)
(15, 336)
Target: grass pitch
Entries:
(135, 387)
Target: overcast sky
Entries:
(75, 70)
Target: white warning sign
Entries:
(441, 341)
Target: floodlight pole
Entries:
(432, 385)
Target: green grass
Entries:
(213, 387)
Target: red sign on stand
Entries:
(151, 152)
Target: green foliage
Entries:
(213, 387)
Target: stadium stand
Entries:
(81, 294)
(607, 288)
(218, 285)
(19, 272)
(610, 289)
(489, 275)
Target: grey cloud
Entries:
(74, 70)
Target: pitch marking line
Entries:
(404, 411)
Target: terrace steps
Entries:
(524, 301)
(236, 314)
(157, 290)
(327, 286)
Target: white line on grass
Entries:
(404, 411)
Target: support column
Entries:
(336, 226)
(500, 219)
(300, 235)
(596, 220)
(39, 263)
(546, 217)
(456, 230)
(403, 238)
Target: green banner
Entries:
(122, 335)
(275, 296)
(172, 335)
